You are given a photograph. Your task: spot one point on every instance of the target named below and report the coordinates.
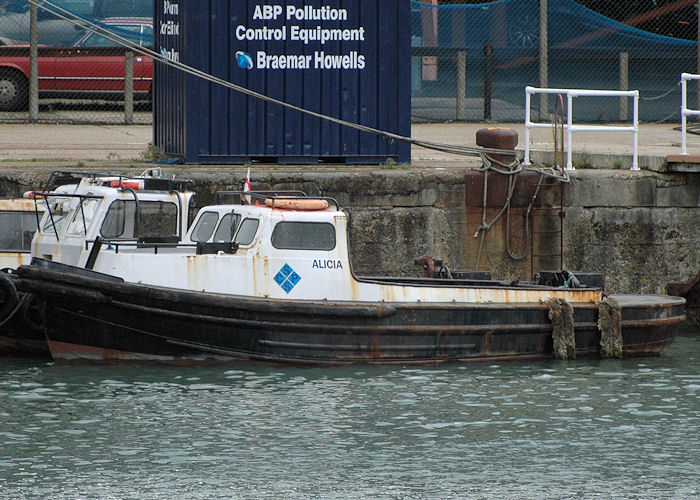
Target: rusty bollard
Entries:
(429, 264)
(498, 138)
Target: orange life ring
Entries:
(296, 203)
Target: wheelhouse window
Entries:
(82, 217)
(205, 226)
(154, 219)
(246, 232)
(304, 236)
(58, 210)
(227, 228)
(17, 230)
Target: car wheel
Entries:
(14, 92)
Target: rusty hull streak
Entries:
(260, 268)
(393, 292)
(192, 273)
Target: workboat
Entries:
(267, 277)
(18, 222)
(67, 199)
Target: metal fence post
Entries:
(461, 84)
(33, 63)
(635, 119)
(488, 79)
(526, 158)
(544, 59)
(684, 103)
(569, 123)
(129, 87)
(624, 83)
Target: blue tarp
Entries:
(514, 24)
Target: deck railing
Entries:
(570, 127)
(685, 112)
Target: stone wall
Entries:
(641, 229)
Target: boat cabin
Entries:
(18, 223)
(131, 211)
(271, 245)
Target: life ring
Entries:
(297, 203)
(32, 312)
(9, 298)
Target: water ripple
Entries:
(583, 429)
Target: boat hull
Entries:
(96, 320)
(21, 325)
(21, 343)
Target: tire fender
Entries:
(9, 298)
(32, 312)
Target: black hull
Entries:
(93, 319)
(17, 343)
(21, 328)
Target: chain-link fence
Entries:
(82, 77)
(471, 60)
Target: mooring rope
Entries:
(484, 227)
(9, 317)
(512, 170)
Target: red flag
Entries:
(246, 186)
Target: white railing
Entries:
(570, 127)
(685, 112)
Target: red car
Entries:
(92, 67)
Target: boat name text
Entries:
(327, 264)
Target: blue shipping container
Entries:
(349, 59)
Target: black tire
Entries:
(14, 90)
(8, 297)
(32, 311)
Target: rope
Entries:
(526, 222)
(14, 311)
(481, 230)
(665, 119)
(660, 96)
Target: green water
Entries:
(583, 429)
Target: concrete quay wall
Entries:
(641, 229)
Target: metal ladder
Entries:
(546, 236)
(536, 235)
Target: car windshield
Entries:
(140, 34)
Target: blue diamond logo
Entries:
(287, 278)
